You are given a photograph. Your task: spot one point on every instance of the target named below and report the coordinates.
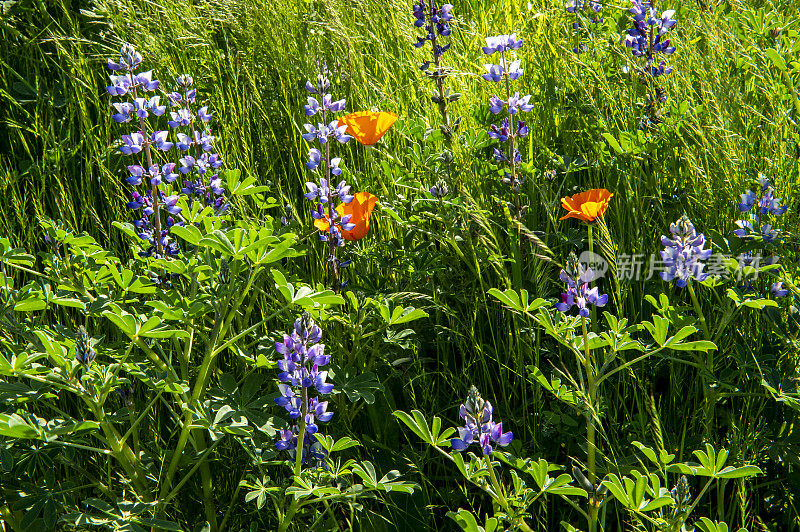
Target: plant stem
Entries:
(288, 516)
(700, 316)
(590, 422)
(511, 160)
(708, 395)
(439, 77)
(154, 188)
(501, 498)
(301, 430)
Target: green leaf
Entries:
(189, 233)
(657, 503)
(465, 520)
(517, 301)
(613, 143)
(657, 328)
(31, 304)
(647, 451)
(615, 486)
(740, 472)
(357, 385)
(160, 523)
(223, 413)
(14, 426)
(404, 315)
(343, 443)
(776, 58)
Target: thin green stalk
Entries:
(590, 421)
(708, 394)
(518, 521)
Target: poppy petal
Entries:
(367, 127)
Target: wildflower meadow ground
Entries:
(399, 265)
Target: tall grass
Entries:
(731, 115)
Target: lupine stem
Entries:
(708, 396)
(590, 422)
(501, 498)
(437, 72)
(154, 188)
(301, 430)
(511, 137)
(700, 316)
(591, 254)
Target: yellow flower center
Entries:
(592, 208)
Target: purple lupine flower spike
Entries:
(434, 21)
(302, 356)
(683, 253)
(478, 426)
(578, 293)
(769, 208)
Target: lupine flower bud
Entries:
(125, 392)
(84, 353)
(439, 190)
(680, 493)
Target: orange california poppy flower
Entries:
(587, 206)
(360, 210)
(367, 127)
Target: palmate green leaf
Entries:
(707, 525)
(655, 504)
(357, 385)
(237, 187)
(613, 143)
(189, 233)
(735, 295)
(223, 413)
(343, 443)
(632, 492)
(776, 58)
(517, 301)
(400, 315)
(657, 329)
(161, 524)
(17, 256)
(55, 351)
(617, 489)
(304, 296)
(662, 459)
(218, 241)
(388, 483)
(277, 251)
(430, 434)
(561, 486)
(30, 298)
(129, 281)
(466, 520)
(124, 321)
(15, 426)
(554, 386)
